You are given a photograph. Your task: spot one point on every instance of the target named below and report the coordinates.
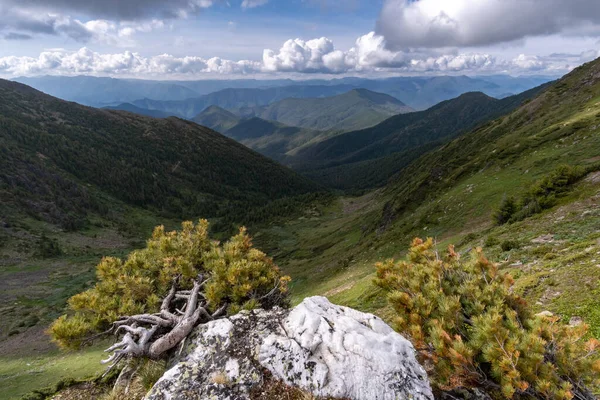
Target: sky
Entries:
(302, 39)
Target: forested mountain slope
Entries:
(55, 155)
(270, 138)
(561, 125)
(368, 157)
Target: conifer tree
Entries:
(154, 298)
(507, 209)
(473, 330)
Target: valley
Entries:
(97, 181)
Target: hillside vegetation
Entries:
(452, 194)
(78, 183)
(450, 187)
(369, 157)
(50, 147)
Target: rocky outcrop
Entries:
(324, 349)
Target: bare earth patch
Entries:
(594, 177)
(31, 342)
(82, 391)
(339, 289)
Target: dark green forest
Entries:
(57, 156)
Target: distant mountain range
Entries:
(304, 120)
(270, 138)
(356, 109)
(98, 92)
(232, 99)
(417, 92)
(137, 110)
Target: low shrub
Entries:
(472, 330)
(543, 195)
(509, 244)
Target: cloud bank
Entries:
(369, 54)
(106, 21)
(444, 23)
(113, 9)
(24, 24)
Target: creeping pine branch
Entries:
(152, 335)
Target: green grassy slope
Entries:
(451, 194)
(356, 109)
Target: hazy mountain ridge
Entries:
(417, 92)
(217, 118)
(358, 108)
(98, 92)
(270, 138)
(141, 111)
(232, 98)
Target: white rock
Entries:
(336, 351)
(324, 349)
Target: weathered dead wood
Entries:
(154, 335)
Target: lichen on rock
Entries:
(324, 349)
(336, 351)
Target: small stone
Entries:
(548, 238)
(545, 314)
(575, 321)
(516, 264)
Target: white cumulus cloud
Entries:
(253, 3)
(299, 56)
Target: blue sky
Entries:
(195, 39)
